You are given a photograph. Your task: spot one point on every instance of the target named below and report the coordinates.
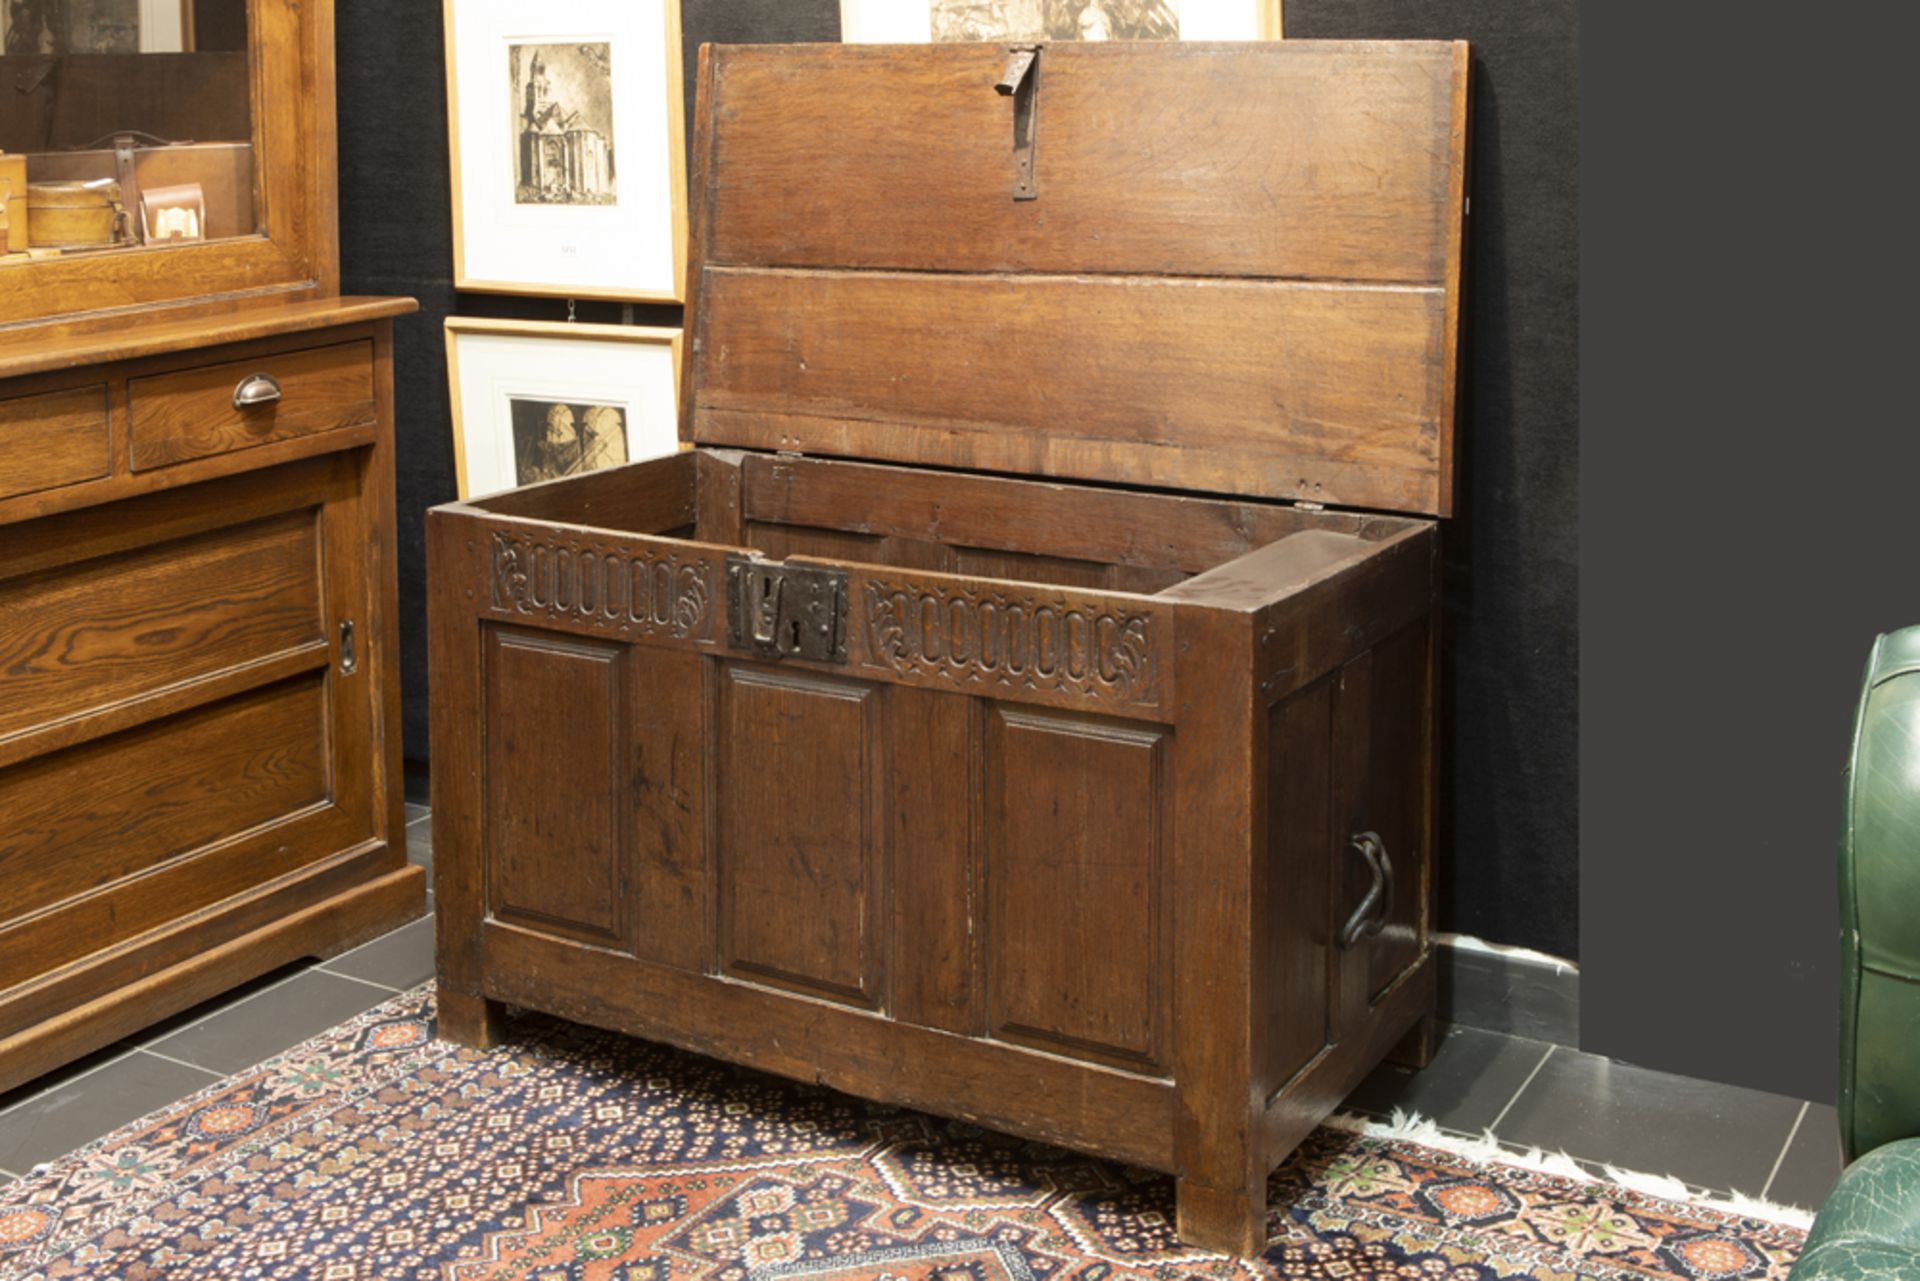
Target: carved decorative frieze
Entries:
(622, 589)
(1014, 641)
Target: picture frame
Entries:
(940, 21)
(567, 132)
(537, 400)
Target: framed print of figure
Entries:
(568, 148)
(1027, 21)
(537, 400)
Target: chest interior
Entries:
(1178, 546)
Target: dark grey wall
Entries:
(1511, 654)
(1750, 468)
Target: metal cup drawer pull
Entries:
(256, 389)
(1377, 905)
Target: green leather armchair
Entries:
(1870, 1225)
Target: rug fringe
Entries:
(1412, 1127)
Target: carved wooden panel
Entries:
(798, 780)
(555, 765)
(647, 589)
(118, 627)
(1075, 857)
(982, 638)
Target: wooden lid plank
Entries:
(1240, 274)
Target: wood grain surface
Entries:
(556, 848)
(192, 414)
(107, 631)
(1075, 864)
(1276, 388)
(264, 755)
(1241, 273)
(1321, 160)
(54, 439)
(799, 870)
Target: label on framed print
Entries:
(569, 152)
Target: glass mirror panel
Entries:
(125, 126)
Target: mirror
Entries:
(125, 125)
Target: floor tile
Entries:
(265, 1024)
(79, 1111)
(1510, 994)
(1473, 1076)
(61, 1075)
(420, 843)
(1713, 1136)
(399, 960)
(1812, 1161)
(415, 811)
(207, 1009)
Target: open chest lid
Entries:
(1231, 268)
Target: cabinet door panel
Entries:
(1381, 745)
(799, 788)
(85, 637)
(553, 773)
(88, 821)
(1074, 855)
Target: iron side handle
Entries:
(1377, 904)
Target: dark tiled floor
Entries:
(1811, 1161)
(1525, 1092)
(1711, 1136)
(1473, 1077)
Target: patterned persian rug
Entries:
(375, 1152)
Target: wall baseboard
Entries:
(1509, 990)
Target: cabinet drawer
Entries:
(52, 440)
(192, 413)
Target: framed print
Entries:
(568, 148)
(537, 400)
(40, 27)
(919, 21)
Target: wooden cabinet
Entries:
(1010, 782)
(200, 775)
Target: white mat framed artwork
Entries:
(542, 400)
(1026, 21)
(568, 140)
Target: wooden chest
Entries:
(1020, 702)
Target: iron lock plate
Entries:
(776, 610)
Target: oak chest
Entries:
(1019, 703)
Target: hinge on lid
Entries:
(1306, 506)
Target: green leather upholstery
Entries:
(1869, 1229)
(1880, 905)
